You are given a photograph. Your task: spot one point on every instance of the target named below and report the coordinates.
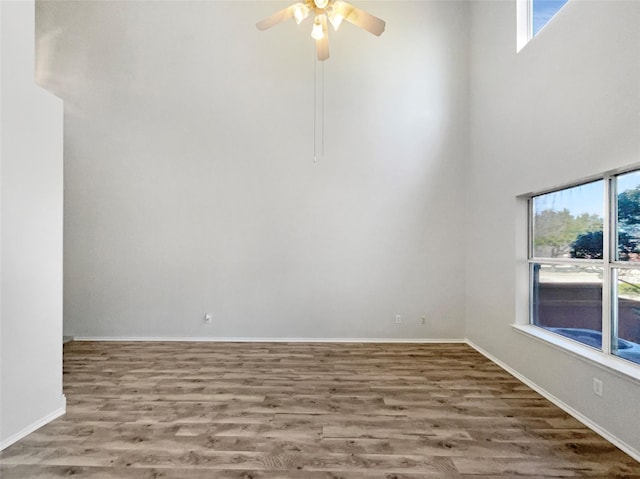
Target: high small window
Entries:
(532, 16)
(584, 264)
(543, 11)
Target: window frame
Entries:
(610, 265)
(524, 23)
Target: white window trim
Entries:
(524, 23)
(607, 244)
(602, 359)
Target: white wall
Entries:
(31, 235)
(564, 108)
(190, 184)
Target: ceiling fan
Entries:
(334, 11)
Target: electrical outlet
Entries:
(598, 388)
(207, 318)
(398, 319)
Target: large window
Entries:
(584, 264)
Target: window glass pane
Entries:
(568, 223)
(628, 231)
(567, 300)
(626, 343)
(543, 11)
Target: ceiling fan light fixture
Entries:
(325, 11)
(317, 32)
(300, 12)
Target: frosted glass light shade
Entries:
(335, 18)
(300, 12)
(316, 31)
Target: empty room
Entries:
(324, 239)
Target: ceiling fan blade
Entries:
(362, 19)
(322, 45)
(278, 17)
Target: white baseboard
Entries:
(272, 340)
(36, 425)
(562, 405)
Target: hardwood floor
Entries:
(263, 410)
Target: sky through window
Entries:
(543, 11)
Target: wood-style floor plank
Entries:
(264, 411)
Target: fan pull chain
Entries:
(322, 109)
(315, 105)
(315, 109)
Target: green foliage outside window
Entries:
(556, 231)
(559, 233)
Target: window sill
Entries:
(625, 369)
